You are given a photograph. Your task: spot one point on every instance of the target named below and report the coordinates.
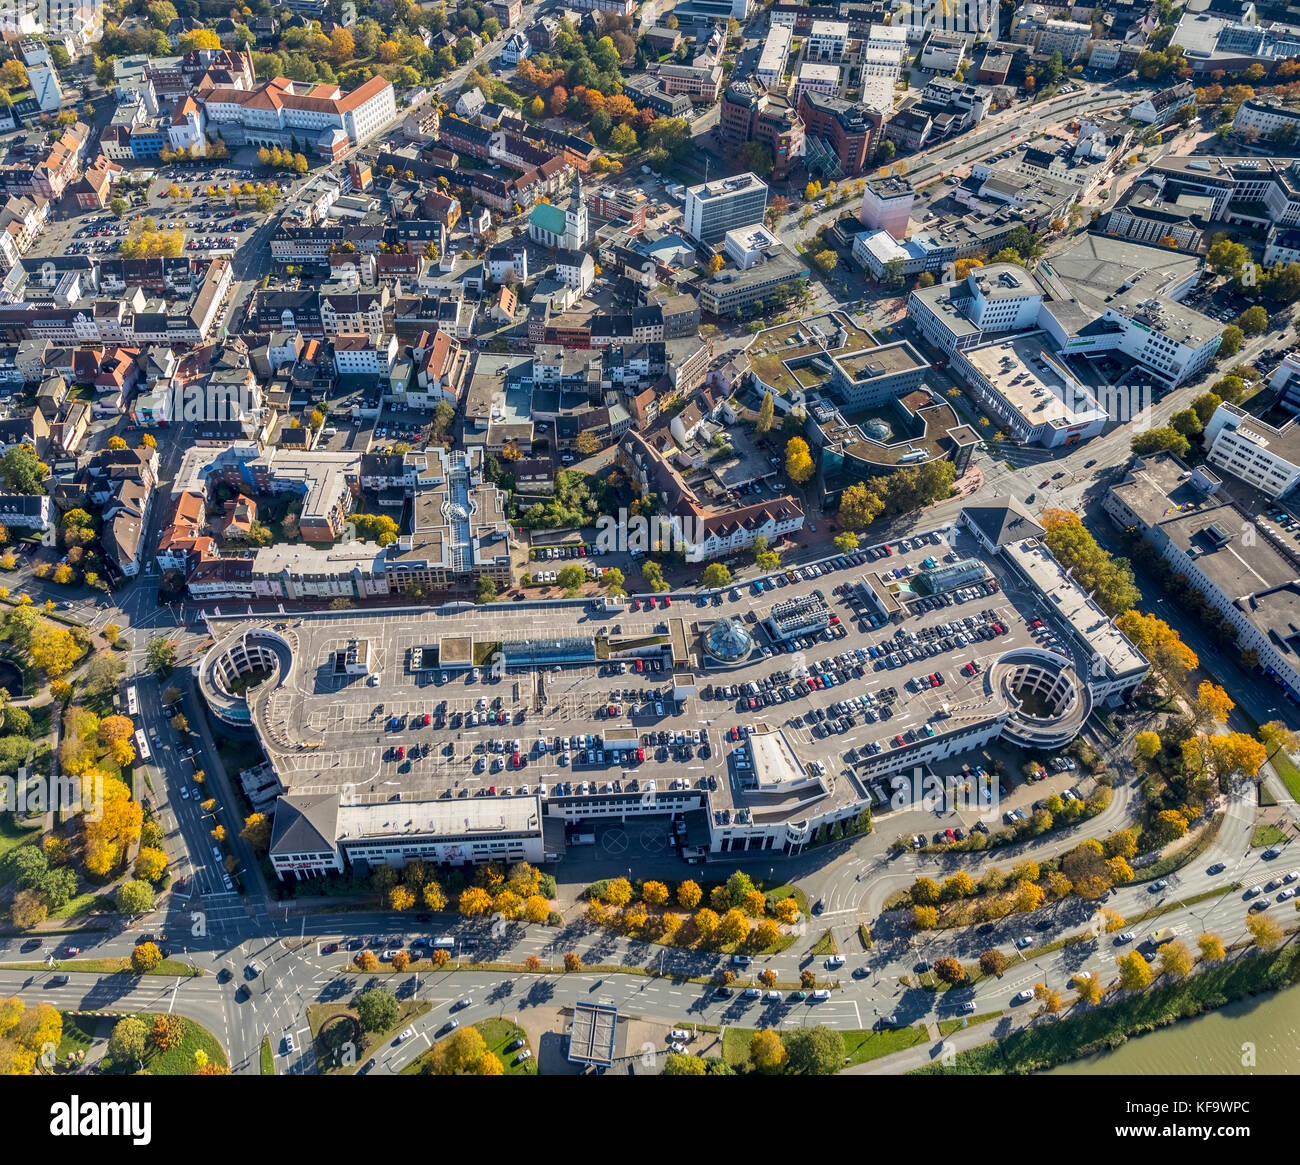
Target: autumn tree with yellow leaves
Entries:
(107, 837)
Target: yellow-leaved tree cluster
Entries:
(26, 1033)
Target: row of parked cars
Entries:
(581, 550)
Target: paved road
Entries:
(295, 973)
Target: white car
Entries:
(1025, 996)
(406, 1035)
(680, 1049)
(679, 1034)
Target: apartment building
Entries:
(827, 41)
(775, 56)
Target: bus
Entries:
(142, 745)
(132, 702)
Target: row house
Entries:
(350, 312)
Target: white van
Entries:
(820, 995)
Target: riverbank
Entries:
(1045, 1045)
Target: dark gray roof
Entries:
(1003, 522)
(305, 824)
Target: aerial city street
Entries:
(714, 537)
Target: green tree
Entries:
(1230, 341)
(1186, 422)
(377, 1010)
(1161, 438)
(135, 897)
(755, 156)
(1253, 321)
(813, 1051)
(160, 655)
(126, 1041)
(716, 575)
(22, 471)
(1227, 258)
(571, 578)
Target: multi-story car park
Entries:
(530, 719)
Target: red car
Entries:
(834, 620)
(898, 741)
(401, 752)
(329, 948)
(667, 601)
(1036, 623)
(640, 666)
(427, 720)
(636, 604)
(640, 755)
(650, 603)
(752, 703)
(515, 762)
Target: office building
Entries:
(714, 208)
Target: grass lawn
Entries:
(948, 1026)
(268, 1057)
(786, 891)
(1184, 856)
(1267, 835)
(177, 1061)
(826, 945)
(12, 835)
(859, 1045)
(319, 1014)
(86, 903)
(1287, 770)
(496, 1033)
(122, 966)
(78, 1034)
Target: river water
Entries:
(1255, 1036)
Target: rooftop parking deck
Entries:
(987, 654)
